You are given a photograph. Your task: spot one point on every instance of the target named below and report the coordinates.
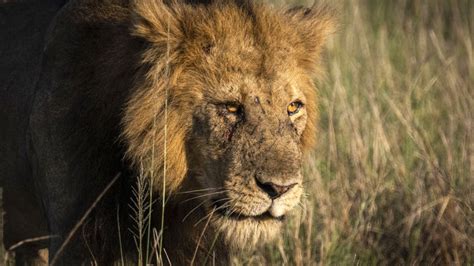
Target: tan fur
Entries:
(163, 26)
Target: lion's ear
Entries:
(158, 22)
(315, 25)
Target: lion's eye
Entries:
(232, 108)
(294, 108)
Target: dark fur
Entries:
(23, 28)
(62, 136)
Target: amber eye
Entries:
(233, 108)
(294, 107)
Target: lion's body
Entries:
(23, 29)
(58, 158)
(98, 97)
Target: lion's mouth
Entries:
(227, 213)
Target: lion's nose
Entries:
(273, 190)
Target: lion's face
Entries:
(245, 144)
(240, 108)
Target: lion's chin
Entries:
(247, 232)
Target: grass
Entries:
(392, 180)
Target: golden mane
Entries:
(159, 115)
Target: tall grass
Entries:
(392, 180)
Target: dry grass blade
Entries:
(83, 218)
(201, 236)
(29, 240)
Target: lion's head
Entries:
(227, 106)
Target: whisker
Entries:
(232, 209)
(225, 205)
(190, 212)
(199, 205)
(198, 190)
(203, 195)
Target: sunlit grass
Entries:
(392, 178)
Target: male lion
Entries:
(211, 101)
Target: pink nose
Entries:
(273, 190)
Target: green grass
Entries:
(392, 180)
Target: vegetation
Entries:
(392, 180)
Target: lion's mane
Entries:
(169, 29)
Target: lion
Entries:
(211, 102)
